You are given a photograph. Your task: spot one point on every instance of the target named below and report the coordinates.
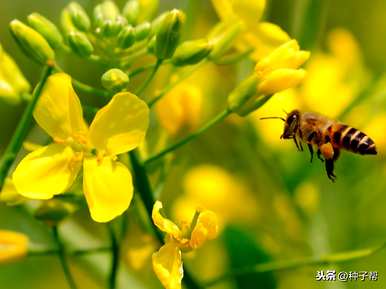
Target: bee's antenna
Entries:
(273, 117)
(284, 111)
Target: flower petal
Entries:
(13, 245)
(108, 188)
(206, 228)
(121, 125)
(46, 172)
(164, 224)
(58, 110)
(167, 265)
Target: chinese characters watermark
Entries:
(343, 276)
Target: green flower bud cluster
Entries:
(110, 33)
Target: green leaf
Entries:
(243, 251)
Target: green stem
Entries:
(114, 258)
(90, 90)
(218, 118)
(297, 263)
(143, 185)
(145, 84)
(63, 259)
(22, 128)
(173, 84)
(144, 68)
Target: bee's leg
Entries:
(296, 143)
(327, 151)
(319, 154)
(311, 149)
(330, 169)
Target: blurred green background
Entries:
(282, 206)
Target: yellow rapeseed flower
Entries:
(167, 262)
(13, 246)
(214, 187)
(334, 76)
(117, 128)
(181, 108)
(262, 36)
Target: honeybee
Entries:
(327, 135)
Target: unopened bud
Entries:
(222, 37)
(281, 79)
(32, 43)
(79, 16)
(111, 28)
(46, 28)
(168, 35)
(142, 31)
(191, 52)
(131, 11)
(114, 79)
(80, 44)
(53, 211)
(106, 11)
(66, 22)
(126, 37)
(11, 72)
(138, 11)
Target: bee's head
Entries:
(291, 124)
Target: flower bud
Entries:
(46, 28)
(80, 44)
(168, 35)
(245, 91)
(287, 55)
(131, 11)
(13, 246)
(142, 31)
(32, 43)
(53, 211)
(191, 52)
(111, 28)
(126, 37)
(12, 80)
(106, 11)
(138, 11)
(281, 79)
(115, 79)
(79, 16)
(66, 22)
(222, 37)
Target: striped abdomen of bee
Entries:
(351, 139)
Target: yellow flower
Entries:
(117, 128)
(12, 80)
(214, 187)
(279, 70)
(167, 262)
(13, 246)
(335, 76)
(262, 36)
(181, 108)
